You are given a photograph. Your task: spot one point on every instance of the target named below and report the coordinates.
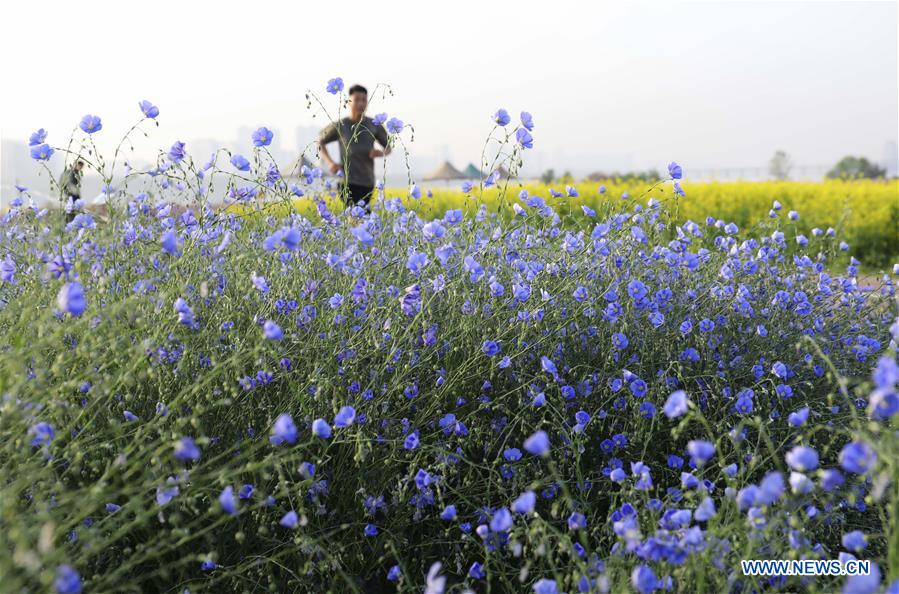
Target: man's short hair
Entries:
(357, 89)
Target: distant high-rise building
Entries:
(306, 138)
(244, 142)
(891, 158)
(202, 148)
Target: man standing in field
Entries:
(357, 134)
(70, 186)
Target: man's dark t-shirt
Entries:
(356, 140)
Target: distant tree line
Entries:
(648, 176)
(848, 167)
(856, 168)
(651, 175)
(779, 168)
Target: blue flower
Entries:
(476, 571)
(524, 503)
(240, 162)
(636, 289)
(284, 430)
(186, 449)
(524, 138)
(169, 242)
(435, 583)
(700, 451)
(149, 110)
(857, 457)
(185, 313)
(855, 541)
(770, 489)
(744, 404)
(831, 478)
(676, 405)
(448, 513)
(262, 137)
(490, 348)
(176, 153)
(41, 152)
(802, 458)
(642, 475)
(548, 366)
(71, 298)
(675, 170)
(67, 580)
(512, 454)
(259, 282)
(416, 262)
(42, 434)
(576, 521)
(335, 85)
(208, 565)
(619, 341)
(527, 120)
(290, 520)
(644, 579)
(165, 494)
(227, 501)
(545, 586)
(501, 117)
(37, 137)
(411, 442)
(379, 119)
(362, 235)
(90, 124)
(272, 331)
(502, 520)
(395, 125)
(864, 584)
(638, 387)
(345, 417)
(320, 428)
(705, 510)
(112, 508)
(537, 444)
(423, 479)
(779, 369)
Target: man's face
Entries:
(358, 102)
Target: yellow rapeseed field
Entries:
(864, 212)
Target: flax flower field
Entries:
(502, 389)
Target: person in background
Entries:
(70, 186)
(357, 135)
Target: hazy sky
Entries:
(610, 84)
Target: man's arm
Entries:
(65, 183)
(384, 141)
(329, 134)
